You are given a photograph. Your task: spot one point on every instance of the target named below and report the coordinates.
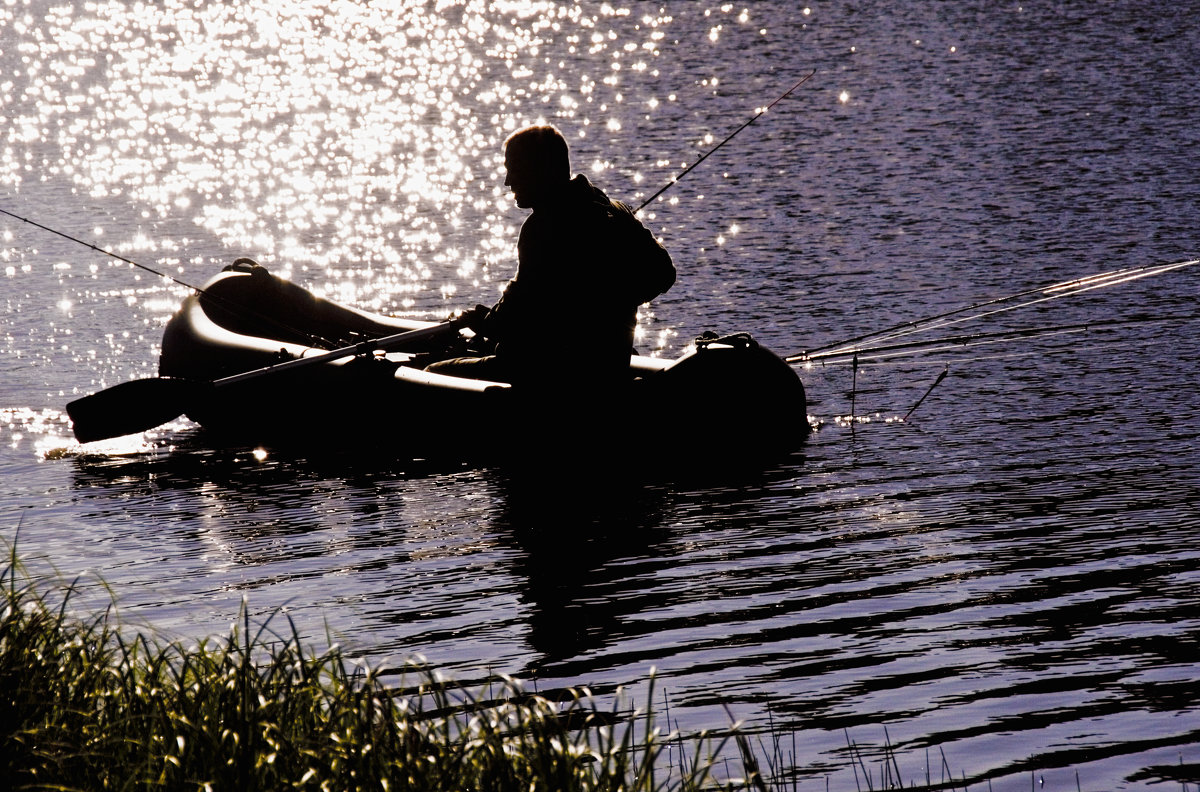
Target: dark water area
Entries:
(1010, 578)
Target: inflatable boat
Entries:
(249, 358)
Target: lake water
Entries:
(1010, 579)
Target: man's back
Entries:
(585, 265)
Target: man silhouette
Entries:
(585, 264)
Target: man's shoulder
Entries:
(582, 202)
(582, 191)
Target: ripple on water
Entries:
(1007, 576)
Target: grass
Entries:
(87, 705)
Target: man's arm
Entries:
(651, 270)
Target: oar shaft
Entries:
(143, 404)
(386, 343)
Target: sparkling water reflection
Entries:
(1009, 576)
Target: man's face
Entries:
(521, 178)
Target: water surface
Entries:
(1010, 577)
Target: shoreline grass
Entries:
(86, 704)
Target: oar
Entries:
(138, 405)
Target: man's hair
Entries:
(542, 149)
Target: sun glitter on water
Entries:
(339, 143)
(331, 143)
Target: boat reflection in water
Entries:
(537, 568)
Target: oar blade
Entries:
(130, 407)
(138, 405)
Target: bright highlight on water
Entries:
(1008, 576)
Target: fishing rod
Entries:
(234, 307)
(106, 252)
(925, 396)
(688, 169)
(1052, 292)
(879, 355)
(888, 351)
(199, 290)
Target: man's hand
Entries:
(473, 318)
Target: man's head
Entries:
(538, 164)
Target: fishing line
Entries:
(914, 325)
(233, 307)
(676, 179)
(1053, 292)
(854, 387)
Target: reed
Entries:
(85, 705)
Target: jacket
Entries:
(585, 263)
